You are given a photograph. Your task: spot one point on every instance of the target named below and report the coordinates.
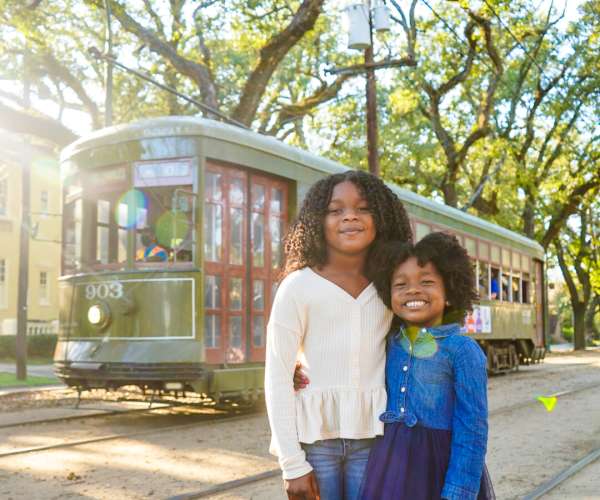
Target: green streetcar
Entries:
(188, 310)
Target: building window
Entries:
(44, 202)
(3, 283)
(44, 295)
(3, 191)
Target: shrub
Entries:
(38, 346)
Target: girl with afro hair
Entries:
(327, 315)
(436, 427)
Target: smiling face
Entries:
(418, 295)
(348, 225)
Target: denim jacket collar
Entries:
(436, 331)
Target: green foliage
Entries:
(38, 346)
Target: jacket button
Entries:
(403, 389)
(405, 368)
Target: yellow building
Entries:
(45, 231)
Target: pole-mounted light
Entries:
(359, 29)
(359, 23)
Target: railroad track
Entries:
(563, 475)
(160, 404)
(103, 412)
(207, 419)
(262, 476)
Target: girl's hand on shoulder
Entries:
(302, 488)
(300, 380)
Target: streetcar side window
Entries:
(495, 284)
(516, 289)
(525, 289)
(484, 280)
(505, 287)
(475, 266)
(110, 215)
(72, 236)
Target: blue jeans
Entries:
(339, 465)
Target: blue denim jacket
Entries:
(441, 383)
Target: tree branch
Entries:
(292, 112)
(568, 208)
(270, 57)
(198, 73)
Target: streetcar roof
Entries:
(170, 126)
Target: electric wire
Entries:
(456, 35)
(513, 36)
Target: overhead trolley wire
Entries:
(456, 35)
(514, 37)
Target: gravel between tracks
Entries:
(527, 446)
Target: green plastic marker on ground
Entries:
(549, 402)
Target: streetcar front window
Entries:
(164, 226)
(112, 223)
(164, 217)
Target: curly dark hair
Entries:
(450, 260)
(305, 241)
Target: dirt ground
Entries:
(526, 447)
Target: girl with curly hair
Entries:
(436, 427)
(327, 315)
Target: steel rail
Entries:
(101, 413)
(229, 485)
(562, 476)
(209, 419)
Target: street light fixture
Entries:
(360, 17)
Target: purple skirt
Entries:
(410, 463)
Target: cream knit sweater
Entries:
(340, 342)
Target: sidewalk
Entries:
(36, 370)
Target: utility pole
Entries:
(21, 340)
(109, 69)
(362, 22)
(371, 89)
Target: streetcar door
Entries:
(240, 272)
(268, 217)
(225, 236)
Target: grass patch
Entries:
(10, 380)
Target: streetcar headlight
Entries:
(98, 315)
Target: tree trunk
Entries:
(450, 196)
(590, 325)
(579, 326)
(529, 219)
